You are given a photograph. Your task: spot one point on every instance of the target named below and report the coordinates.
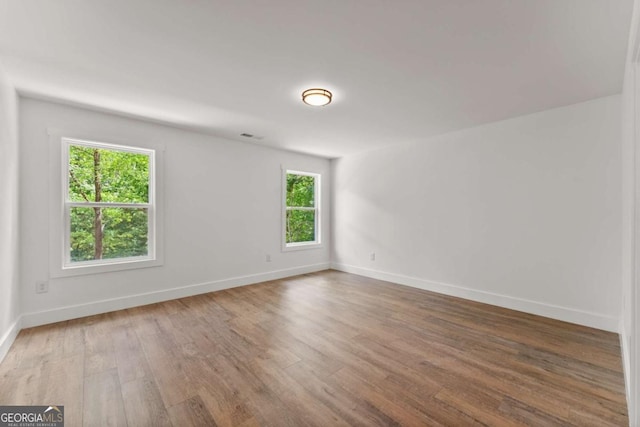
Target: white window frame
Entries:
(317, 243)
(60, 264)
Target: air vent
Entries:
(252, 136)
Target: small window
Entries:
(109, 204)
(302, 209)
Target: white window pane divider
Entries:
(300, 208)
(108, 205)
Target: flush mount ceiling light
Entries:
(316, 97)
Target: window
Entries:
(302, 209)
(109, 204)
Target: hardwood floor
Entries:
(325, 349)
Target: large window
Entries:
(109, 204)
(302, 209)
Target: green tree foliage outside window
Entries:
(99, 177)
(301, 208)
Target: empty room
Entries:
(319, 213)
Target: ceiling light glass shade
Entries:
(316, 97)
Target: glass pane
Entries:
(101, 175)
(300, 190)
(108, 233)
(301, 226)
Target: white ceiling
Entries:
(400, 70)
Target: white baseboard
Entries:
(580, 317)
(9, 337)
(105, 306)
(626, 363)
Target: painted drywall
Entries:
(9, 289)
(630, 304)
(523, 213)
(222, 215)
(628, 226)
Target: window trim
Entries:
(68, 204)
(59, 255)
(317, 243)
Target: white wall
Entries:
(630, 241)
(630, 307)
(523, 213)
(629, 245)
(222, 215)
(9, 298)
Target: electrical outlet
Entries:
(42, 287)
(373, 256)
(268, 258)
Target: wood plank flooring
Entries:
(324, 349)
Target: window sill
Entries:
(301, 246)
(107, 267)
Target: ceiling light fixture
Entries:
(316, 97)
